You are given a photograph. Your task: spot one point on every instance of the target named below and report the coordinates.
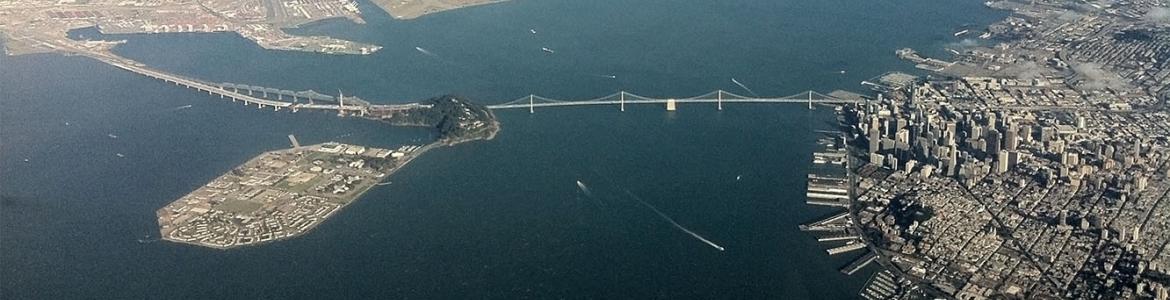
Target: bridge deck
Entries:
(664, 101)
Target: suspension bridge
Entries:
(718, 97)
(262, 97)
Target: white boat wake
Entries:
(584, 189)
(736, 82)
(425, 51)
(676, 225)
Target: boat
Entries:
(546, 49)
(119, 154)
(962, 32)
(112, 136)
(533, 31)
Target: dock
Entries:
(846, 248)
(859, 263)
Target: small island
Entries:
(286, 193)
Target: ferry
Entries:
(546, 49)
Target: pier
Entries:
(860, 263)
(846, 248)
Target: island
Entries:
(286, 193)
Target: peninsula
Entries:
(286, 193)
(1035, 167)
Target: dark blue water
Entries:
(497, 219)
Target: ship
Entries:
(546, 49)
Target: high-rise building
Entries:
(1010, 142)
(993, 141)
(875, 140)
(1002, 162)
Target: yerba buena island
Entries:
(1028, 158)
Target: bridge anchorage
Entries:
(718, 97)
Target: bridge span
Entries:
(353, 105)
(342, 104)
(718, 97)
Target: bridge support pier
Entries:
(531, 109)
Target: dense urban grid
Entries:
(1036, 168)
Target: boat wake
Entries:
(426, 52)
(736, 82)
(589, 193)
(676, 224)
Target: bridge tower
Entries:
(671, 105)
(530, 104)
(622, 96)
(340, 103)
(810, 99)
(719, 99)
